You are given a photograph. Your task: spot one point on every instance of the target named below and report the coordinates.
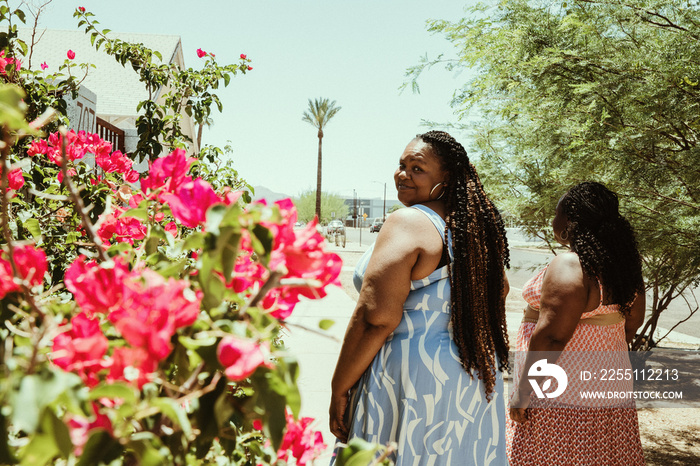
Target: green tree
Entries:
(394, 208)
(318, 115)
(330, 203)
(603, 90)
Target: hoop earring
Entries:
(565, 238)
(442, 193)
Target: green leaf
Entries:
(101, 448)
(20, 14)
(175, 412)
(114, 390)
(13, 108)
(72, 237)
(145, 446)
(54, 427)
(37, 391)
(51, 440)
(229, 240)
(33, 227)
(39, 451)
(359, 452)
(325, 324)
(213, 290)
(140, 212)
(6, 456)
(215, 215)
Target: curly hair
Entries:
(477, 275)
(604, 242)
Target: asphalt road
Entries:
(525, 261)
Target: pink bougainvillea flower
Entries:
(115, 227)
(299, 254)
(96, 287)
(70, 54)
(143, 306)
(201, 53)
(81, 428)
(231, 197)
(38, 146)
(301, 441)
(191, 202)
(31, 266)
(81, 349)
(82, 9)
(114, 162)
(168, 172)
(243, 56)
(134, 365)
(15, 179)
(280, 302)
(240, 357)
(250, 68)
(5, 62)
(152, 308)
(171, 227)
(44, 66)
(71, 172)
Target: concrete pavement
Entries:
(317, 351)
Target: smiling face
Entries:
(560, 222)
(418, 172)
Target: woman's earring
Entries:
(565, 238)
(442, 193)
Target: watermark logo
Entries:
(542, 368)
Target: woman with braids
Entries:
(422, 358)
(583, 310)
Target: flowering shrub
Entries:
(141, 312)
(168, 316)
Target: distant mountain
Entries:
(261, 192)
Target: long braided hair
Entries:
(477, 276)
(604, 242)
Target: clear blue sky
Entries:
(351, 51)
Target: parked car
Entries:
(376, 225)
(335, 226)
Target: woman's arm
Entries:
(386, 284)
(564, 299)
(636, 317)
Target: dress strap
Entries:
(439, 224)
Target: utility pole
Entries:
(384, 209)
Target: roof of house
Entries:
(117, 87)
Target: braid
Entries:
(604, 242)
(477, 276)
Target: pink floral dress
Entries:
(568, 431)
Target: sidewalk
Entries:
(317, 352)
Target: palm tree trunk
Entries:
(318, 178)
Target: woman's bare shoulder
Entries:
(565, 268)
(407, 228)
(406, 218)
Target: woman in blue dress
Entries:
(422, 359)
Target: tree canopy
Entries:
(604, 90)
(330, 204)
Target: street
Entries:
(526, 261)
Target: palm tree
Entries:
(319, 113)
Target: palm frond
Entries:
(320, 111)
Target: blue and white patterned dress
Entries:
(416, 392)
